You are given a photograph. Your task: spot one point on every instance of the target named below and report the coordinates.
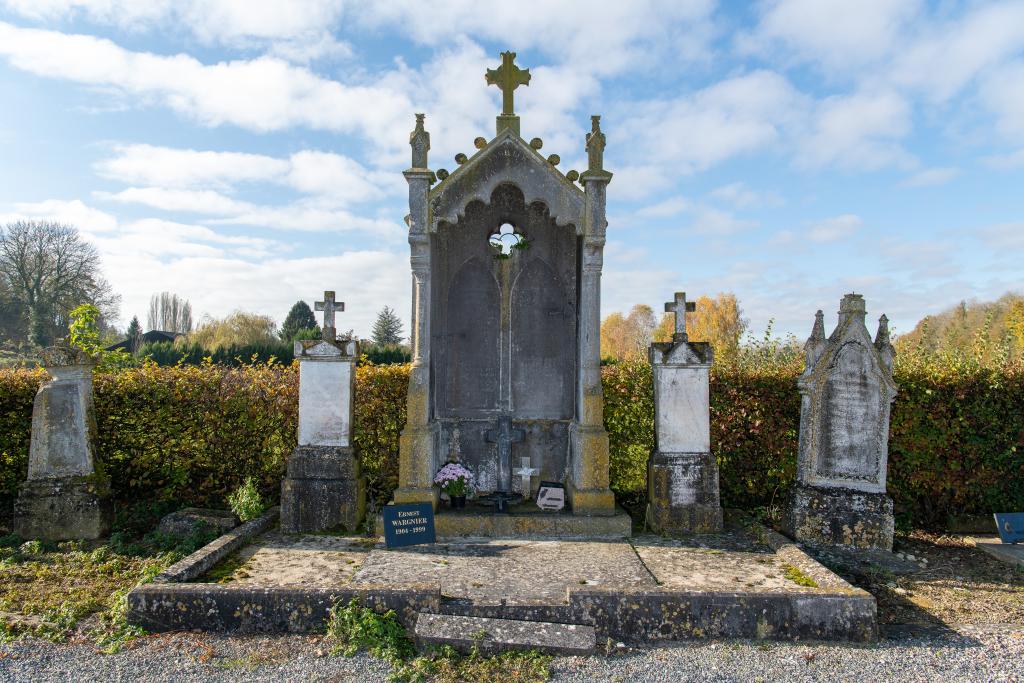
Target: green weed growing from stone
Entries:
(353, 627)
(797, 576)
(246, 501)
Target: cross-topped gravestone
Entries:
(329, 306)
(525, 472)
(508, 77)
(680, 307)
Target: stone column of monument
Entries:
(416, 462)
(66, 496)
(324, 487)
(587, 488)
(846, 392)
(682, 474)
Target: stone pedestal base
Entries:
(683, 492)
(324, 490)
(840, 517)
(64, 508)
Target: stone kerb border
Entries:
(204, 559)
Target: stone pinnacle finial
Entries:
(818, 331)
(679, 307)
(882, 343)
(816, 342)
(595, 146)
(419, 140)
(852, 305)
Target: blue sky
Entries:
(247, 154)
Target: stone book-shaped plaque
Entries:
(551, 496)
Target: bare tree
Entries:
(49, 269)
(170, 313)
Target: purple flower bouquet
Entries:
(454, 479)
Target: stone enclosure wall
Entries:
(192, 434)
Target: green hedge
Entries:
(193, 433)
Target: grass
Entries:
(797, 576)
(53, 591)
(353, 627)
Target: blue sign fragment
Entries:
(1011, 526)
(411, 524)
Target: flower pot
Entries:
(458, 502)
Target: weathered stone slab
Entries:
(299, 560)
(58, 509)
(841, 517)
(322, 504)
(202, 560)
(1011, 553)
(501, 635)
(188, 521)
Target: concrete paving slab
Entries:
(1011, 553)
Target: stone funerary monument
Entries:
(506, 277)
(846, 392)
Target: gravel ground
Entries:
(971, 653)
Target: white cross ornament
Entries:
(526, 472)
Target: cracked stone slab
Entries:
(513, 572)
(501, 635)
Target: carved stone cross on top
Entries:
(680, 307)
(329, 306)
(508, 77)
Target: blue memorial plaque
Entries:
(1011, 526)
(408, 524)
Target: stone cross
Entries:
(680, 307)
(329, 306)
(508, 77)
(505, 436)
(526, 473)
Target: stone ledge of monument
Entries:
(563, 525)
(323, 462)
(204, 559)
(326, 349)
(662, 353)
(502, 635)
(260, 609)
(639, 616)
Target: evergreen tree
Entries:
(134, 334)
(387, 329)
(300, 317)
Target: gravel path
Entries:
(971, 653)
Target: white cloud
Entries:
(711, 221)
(1003, 93)
(261, 94)
(834, 229)
(312, 218)
(188, 168)
(663, 209)
(732, 117)
(839, 34)
(186, 201)
(931, 177)
(71, 212)
(1004, 236)
(742, 197)
(858, 131)
(1006, 161)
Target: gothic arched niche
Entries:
(542, 323)
(472, 312)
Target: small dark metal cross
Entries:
(505, 435)
(508, 77)
(680, 307)
(329, 306)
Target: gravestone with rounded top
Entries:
(682, 474)
(324, 487)
(506, 255)
(846, 392)
(65, 496)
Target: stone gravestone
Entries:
(65, 496)
(682, 475)
(324, 487)
(846, 391)
(506, 255)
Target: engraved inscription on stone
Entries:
(852, 403)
